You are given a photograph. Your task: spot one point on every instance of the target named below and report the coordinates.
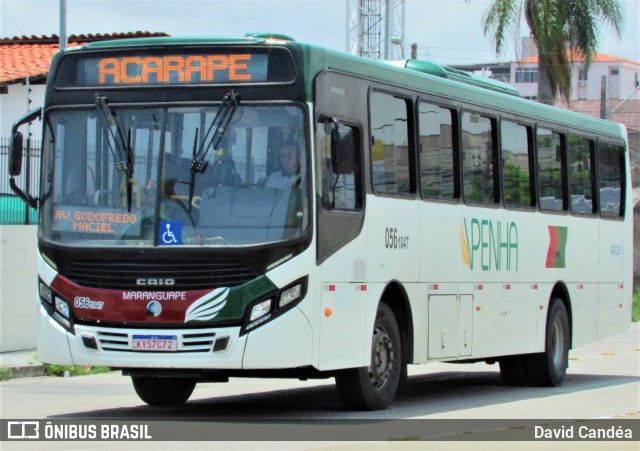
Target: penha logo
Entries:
(208, 306)
(494, 243)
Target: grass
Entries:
(635, 307)
(60, 370)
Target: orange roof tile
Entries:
(22, 57)
(18, 61)
(597, 58)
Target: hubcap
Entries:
(557, 343)
(382, 359)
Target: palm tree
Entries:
(561, 29)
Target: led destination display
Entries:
(174, 67)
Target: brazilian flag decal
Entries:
(557, 247)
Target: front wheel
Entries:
(163, 391)
(374, 387)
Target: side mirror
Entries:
(17, 140)
(343, 148)
(16, 149)
(15, 154)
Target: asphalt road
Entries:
(603, 382)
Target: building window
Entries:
(614, 71)
(583, 75)
(527, 75)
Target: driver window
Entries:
(338, 191)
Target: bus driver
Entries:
(289, 174)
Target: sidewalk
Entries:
(18, 364)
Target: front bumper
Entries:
(285, 342)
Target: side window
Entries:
(391, 168)
(581, 175)
(479, 173)
(611, 180)
(516, 164)
(550, 155)
(341, 187)
(437, 177)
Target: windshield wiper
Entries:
(122, 151)
(121, 154)
(219, 127)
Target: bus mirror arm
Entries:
(16, 149)
(25, 197)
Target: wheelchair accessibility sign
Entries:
(170, 233)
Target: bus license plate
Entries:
(163, 343)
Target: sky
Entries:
(446, 31)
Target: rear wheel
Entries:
(550, 368)
(163, 391)
(547, 369)
(374, 387)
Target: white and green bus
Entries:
(258, 207)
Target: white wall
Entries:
(626, 82)
(18, 287)
(14, 104)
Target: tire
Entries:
(513, 370)
(547, 369)
(550, 368)
(375, 387)
(163, 391)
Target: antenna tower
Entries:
(375, 28)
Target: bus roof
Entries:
(422, 76)
(453, 88)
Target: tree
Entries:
(562, 30)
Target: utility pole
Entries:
(603, 98)
(63, 25)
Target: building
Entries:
(24, 67)
(622, 79)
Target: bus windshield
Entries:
(151, 177)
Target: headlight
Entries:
(55, 306)
(62, 313)
(290, 295)
(63, 308)
(260, 310)
(45, 292)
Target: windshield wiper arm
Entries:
(219, 127)
(192, 180)
(121, 153)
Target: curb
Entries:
(18, 372)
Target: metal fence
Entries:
(12, 209)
